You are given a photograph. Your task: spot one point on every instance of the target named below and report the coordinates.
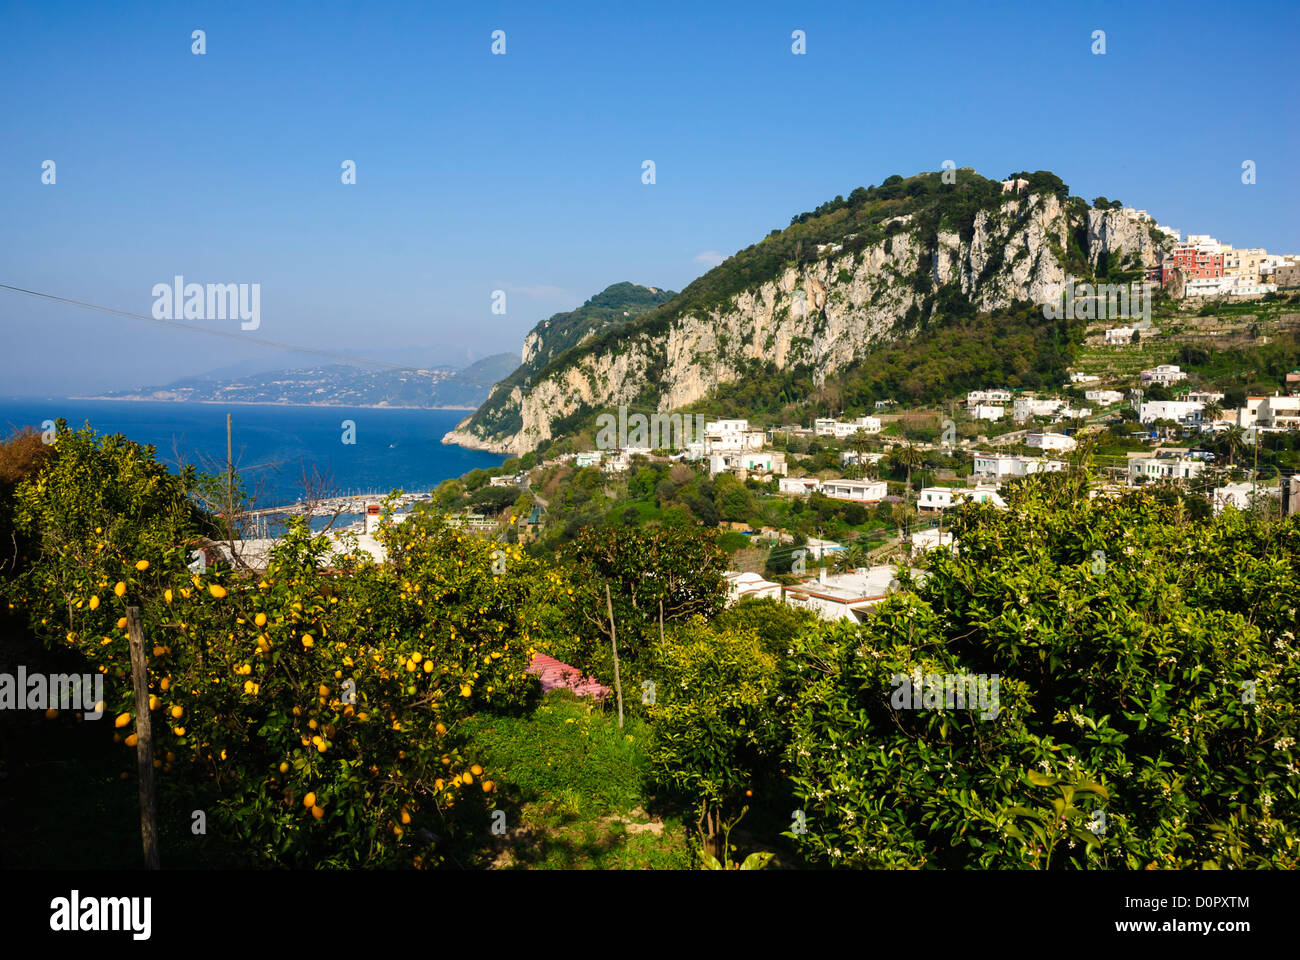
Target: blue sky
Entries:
(522, 172)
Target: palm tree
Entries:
(853, 555)
(1233, 443)
(1213, 410)
(909, 456)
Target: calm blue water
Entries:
(273, 444)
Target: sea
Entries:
(275, 445)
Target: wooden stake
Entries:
(613, 642)
(144, 744)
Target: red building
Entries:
(1193, 262)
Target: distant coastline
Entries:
(271, 403)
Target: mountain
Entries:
(340, 385)
(614, 308)
(909, 261)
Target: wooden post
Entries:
(144, 744)
(661, 621)
(613, 642)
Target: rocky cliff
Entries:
(822, 312)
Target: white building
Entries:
(1180, 411)
(986, 411)
(1203, 396)
(1025, 407)
(817, 549)
(745, 462)
(742, 585)
(1084, 378)
(1164, 374)
(924, 540)
(988, 396)
(851, 456)
(1119, 336)
(801, 486)
(861, 491)
(999, 466)
(1164, 468)
(1050, 441)
(1248, 415)
(1280, 413)
(841, 429)
(1236, 495)
(845, 596)
(1104, 397)
(941, 498)
(723, 428)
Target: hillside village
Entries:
(1161, 427)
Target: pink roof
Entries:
(557, 675)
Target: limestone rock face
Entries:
(1111, 232)
(825, 314)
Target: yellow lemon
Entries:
(217, 590)
(476, 770)
(142, 565)
(260, 620)
(178, 711)
(132, 740)
(167, 596)
(179, 731)
(309, 800)
(121, 623)
(122, 720)
(465, 690)
(317, 812)
(284, 768)
(94, 603)
(120, 589)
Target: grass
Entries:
(573, 788)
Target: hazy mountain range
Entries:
(337, 384)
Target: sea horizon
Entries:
(275, 444)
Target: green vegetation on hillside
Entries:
(614, 308)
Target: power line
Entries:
(228, 334)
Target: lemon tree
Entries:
(310, 709)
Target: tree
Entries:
(715, 728)
(1051, 617)
(1233, 442)
(731, 498)
(311, 708)
(681, 567)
